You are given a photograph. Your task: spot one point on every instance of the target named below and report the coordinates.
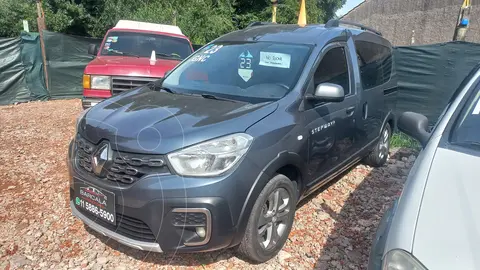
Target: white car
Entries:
(435, 224)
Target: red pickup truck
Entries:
(132, 54)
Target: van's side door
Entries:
(374, 61)
(331, 125)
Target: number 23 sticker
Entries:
(245, 70)
(213, 49)
(203, 56)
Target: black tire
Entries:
(379, 154)
(251, 247)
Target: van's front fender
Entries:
(268, 172)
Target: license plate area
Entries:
(95, 201)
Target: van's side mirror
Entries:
(93, 49)
(328, 92)
(414, 125)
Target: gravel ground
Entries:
(333, 228)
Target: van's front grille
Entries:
(127, 226)
(124, 168)
(120, 84)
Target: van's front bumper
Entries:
(155, 247)
(169, 209)
(167, 221)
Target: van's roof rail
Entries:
(337, 23)
(259, 23)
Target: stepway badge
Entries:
(245, 70)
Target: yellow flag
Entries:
(302, 17)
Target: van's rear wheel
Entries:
(270, 221)
(379, 155)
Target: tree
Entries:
(329, 7)
(66, 17)
(201, 20)
(12, 12)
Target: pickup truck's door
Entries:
(331, 125)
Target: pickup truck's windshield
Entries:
(252, 72)
(467, 129)
(136, 44)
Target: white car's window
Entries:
(467, 128)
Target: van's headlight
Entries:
(212, 157)
(101, 82)
(399, 260)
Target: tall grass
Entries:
(400, 139)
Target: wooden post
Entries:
(41, 27)
(461, 29)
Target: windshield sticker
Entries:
(112, 39)
(245, 66)
(477, 108)
(211, 49)
(200, 58)
(278, 60)
(203, 56)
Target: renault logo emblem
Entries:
(100, 158)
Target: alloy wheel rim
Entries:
(272, 224)
(384, 144)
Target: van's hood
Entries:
(146, 121)
(448, 227)
(130, 66)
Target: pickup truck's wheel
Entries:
(379, 155)
(270, 221)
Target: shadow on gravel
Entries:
(348, 244)
(179, 259)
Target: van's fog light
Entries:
(201, 231)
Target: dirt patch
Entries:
(333, 228)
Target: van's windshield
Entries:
(252, 72)
(137, 44)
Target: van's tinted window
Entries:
(375, 63)
(142, 44)
(333, 69)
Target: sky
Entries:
(348, 6)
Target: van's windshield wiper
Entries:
(166, 89)
(158, 87)
(210, 96)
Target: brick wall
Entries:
(432, 20)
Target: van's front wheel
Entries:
(270, 221)
(379, 155)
